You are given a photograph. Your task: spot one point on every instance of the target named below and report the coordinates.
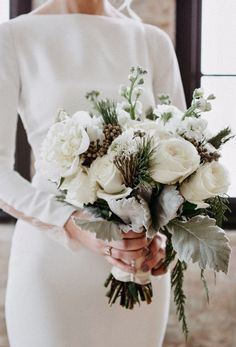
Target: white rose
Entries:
(211, 179)
(175, 159)
(60, 151)
(106, 174)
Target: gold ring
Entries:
(108, 250)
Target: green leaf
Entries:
(201, 240)
(104, 230)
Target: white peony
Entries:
(60, 150)
(211, 179)
(106, 175)
(193, 128)
(175, 159)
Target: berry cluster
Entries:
(206, 155)
(99, 148)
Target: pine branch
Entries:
(218, 209)
(222, 137)
(105, 107)
(135, 168)
(177, 278)
(170, 252)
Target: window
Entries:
(218, 71)
(206, 51)
(4, 10)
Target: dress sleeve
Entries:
(19, 197)
(167, 78)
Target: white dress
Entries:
(55, 294)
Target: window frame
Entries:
(188, 50)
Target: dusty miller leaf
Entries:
(165, 206)
(201, 240)
(104, 230)
(135, 214)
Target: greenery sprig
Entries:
(134, 91)
(105, 107)
(222, 137)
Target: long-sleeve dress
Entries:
(55, 294)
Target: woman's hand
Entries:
(121, 253)
(156, 257)
(131, 247)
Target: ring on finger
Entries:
(108, 250)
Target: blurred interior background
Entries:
(204, 35)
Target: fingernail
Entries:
(145, 268)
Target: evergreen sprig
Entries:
(222, 137)
(105, 107)
(177, 279)
(218, 209)
(136, 167)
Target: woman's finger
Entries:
(132, 235)
(160, 271)
(128, 256)
(120, 264)
(130, 244)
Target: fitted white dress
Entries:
(55, 294)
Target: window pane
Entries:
(223, 114)
(219, 37)
(4, 10)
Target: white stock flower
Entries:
(202, 104)
(106, 175)
(193, 128)
(169, 116)
(60, 150)
(210, 179)
(175, 159)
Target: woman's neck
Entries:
(93, 7)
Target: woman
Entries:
(49, 59)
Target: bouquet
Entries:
(156, 171)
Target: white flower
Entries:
(123, 116)
(93, 125)
(198, 93)
(169, 116)
(126, 143)
(193, 128)
(211, 179)
(175, 159)
(202, 104)
(106, 175)
(80, 191)
(60, 151)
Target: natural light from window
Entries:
(4, 10)
(218, 66)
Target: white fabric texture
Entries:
(55, 297)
